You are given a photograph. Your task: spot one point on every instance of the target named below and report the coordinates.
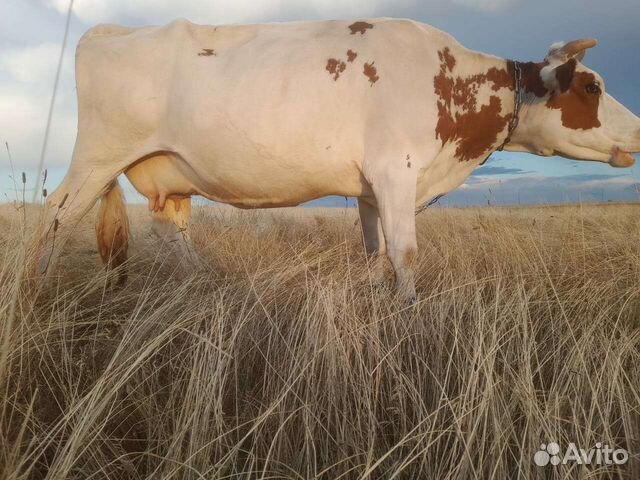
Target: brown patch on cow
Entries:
(359, 27)
(446, 58)
(579, 109)
(335, 67)
(207, 52)
(371, 73)
(501, 77)
(531, 80)
(408, 164)
(474, 129)
(351, 55)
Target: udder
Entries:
(161, 177)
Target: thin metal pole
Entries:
(37, 187)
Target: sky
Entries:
(31, 33)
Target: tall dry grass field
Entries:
(278, 358)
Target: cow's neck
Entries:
(532, 90)
(476, 100)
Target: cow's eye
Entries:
(593, 89)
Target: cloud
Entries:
(25, 96)
(585, 177)
(486, 5)
(34, 64)
(218, 12)
(23, 115)
(545, 190)
(495, 170)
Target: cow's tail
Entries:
(112, 229)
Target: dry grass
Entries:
(279, 359)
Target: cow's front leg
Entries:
(395, 193)
(398, 222)
(373, 239)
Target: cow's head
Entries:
(566, 111)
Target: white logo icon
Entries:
(549, 453)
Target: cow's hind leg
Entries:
(171, 224)
(112, 231)
(373, 238)
(66, 206)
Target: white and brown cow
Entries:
(393, 112)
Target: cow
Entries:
(393, 112)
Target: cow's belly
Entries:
(168, 176)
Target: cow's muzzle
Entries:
(621, 159)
